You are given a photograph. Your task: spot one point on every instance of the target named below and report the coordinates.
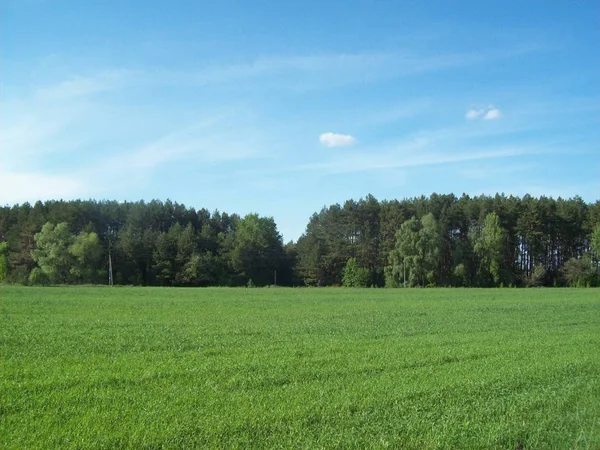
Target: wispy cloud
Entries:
(324, 70)
(425, 148)
(83, 86)
(404, 110)
(364, 163)
(81, 117)
(205, 142)
(337, 140)
(486, 170)
(489, 113)
(47, 137)
(52, 119)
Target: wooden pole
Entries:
(110, 272)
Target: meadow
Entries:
(151, 368)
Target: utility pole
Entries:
(275, 278)
(110, 273)
(109, 235)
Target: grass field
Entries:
(299, 368)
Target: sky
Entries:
(283, 107)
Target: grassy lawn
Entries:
(299, 368)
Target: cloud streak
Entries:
(364, 163)
(82, 86)
(426, 148)
(325, 70)
(63, 122)
(119, 143)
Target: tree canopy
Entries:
(440, 240)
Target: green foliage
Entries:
(355, 276)
(539, 276)
(65, 258)
(595, 240)
(430, 244)
(579, 272)
(257, 249)
(18, 275)
(404, 262)
(150, 368)
(392, 277)
(52, 253)
(449, 241)
(415, 260)
(186, 251)
(488, 244)
(595, 245)
(38, 277)
(462, 275)
(87, 258)
(164, 256)
(3, 261)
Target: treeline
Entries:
(441, 240)
(150, 244)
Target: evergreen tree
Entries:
(354, 275)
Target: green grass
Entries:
(299, 368)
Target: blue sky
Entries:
(281, 108)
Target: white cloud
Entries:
(337, 140)
(492, 114)
(474, 113)
(489, 113)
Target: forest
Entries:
(440, 240)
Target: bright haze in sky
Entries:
(282, 107)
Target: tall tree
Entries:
(87, 256)
(164, 255)
(430, 249)
(51, 253)
(257, 249)
(404, 263)
(488, 244)
(354, 275)
(186, 242)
